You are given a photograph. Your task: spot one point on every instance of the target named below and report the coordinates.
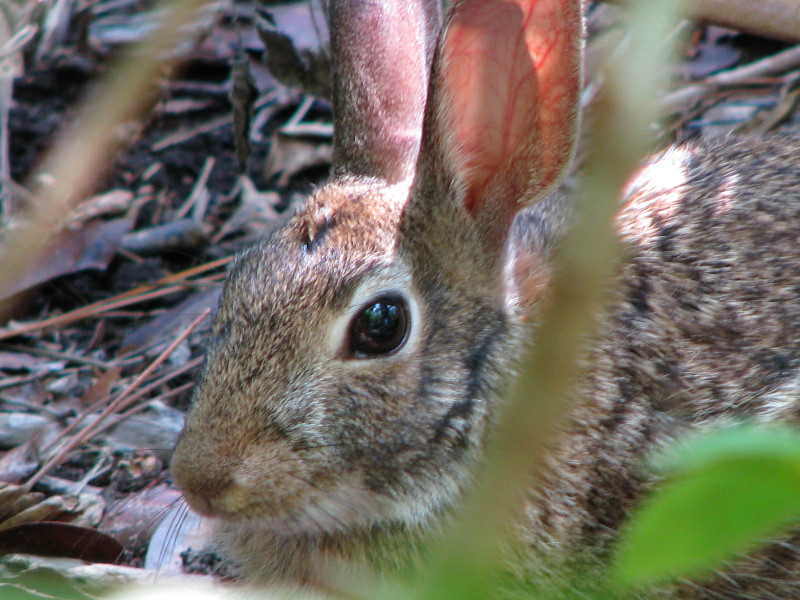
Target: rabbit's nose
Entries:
(198, 503)
(211, 495)
(202, 482)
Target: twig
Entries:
(109, 423)
(198, 190)
(131, 398)
(174, 391)
(187, 133)
(87, 311)
(140, 294)
(176, 277)
(782, 62)
(184, 134)
(10, 382)
(81, 360)
(192, 364)
(34, 408)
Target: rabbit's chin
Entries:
(352, 531)
(342, 512)
(302, 550)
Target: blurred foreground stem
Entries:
(84, 149)
(585, 266)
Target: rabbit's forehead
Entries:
(350, 215)
(280, 279)
(318, 261)
(346, 230)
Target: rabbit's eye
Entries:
(380, 328)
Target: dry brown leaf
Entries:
(62, 540)
(291, 153)
(90, 247)
(101, 388)
(50, 509)
(10, 494)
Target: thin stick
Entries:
(99, 426)
(80, 360)
(198, 188)
(139, 294)
(782, 62)
(117, 419)
(83, 312)
(118, 404)
(142, 392)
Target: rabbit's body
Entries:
(703, 329)
(358, 354)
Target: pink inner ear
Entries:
(511, 68)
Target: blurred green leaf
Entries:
(47, 584)
(726, 490)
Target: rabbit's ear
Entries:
(503, 109)
(381, 51)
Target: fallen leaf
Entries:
(62, 540)
(90, 247)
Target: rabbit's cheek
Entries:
(286, 494)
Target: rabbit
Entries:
(358, 353)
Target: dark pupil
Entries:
(380, 328)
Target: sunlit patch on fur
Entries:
(655, 194)
(663, 174)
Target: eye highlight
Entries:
(380, 328)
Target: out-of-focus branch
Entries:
(776, 19)
(584, 268)
(84, 149)
(783, 62)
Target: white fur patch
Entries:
(655, 191)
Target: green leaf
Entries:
(724, 491)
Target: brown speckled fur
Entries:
(309, 458)
(703, 329)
